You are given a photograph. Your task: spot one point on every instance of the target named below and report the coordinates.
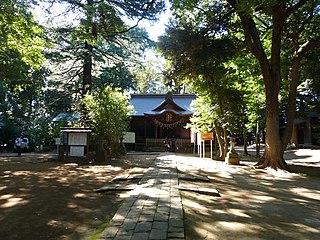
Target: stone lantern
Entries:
(232, 156)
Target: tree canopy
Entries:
(278, 34)
(22, 42)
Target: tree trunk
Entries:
(87, 63)
(86, 81)
(225, 149)
(273, 153)
(87, 69)
(245, 141)
(100, 152)
(257, 139)
(221, 142)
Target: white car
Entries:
(24, 143)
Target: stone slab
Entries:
(206, 191)
(128, 177)
(116, 187)
(192, 177)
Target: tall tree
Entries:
(98, 37)
(293, 29)
(98, 24)
(21, 44)
(199, 58)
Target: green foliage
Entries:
(108, 112)
(198, 57)
(149, 77)
(8, 129)
(41, 131)
(204, 114)
(246, 77)
(21, 43)
(117, 76)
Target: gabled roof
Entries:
(168, 104)
(155, 103)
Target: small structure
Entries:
(232, 156)
(74, 142)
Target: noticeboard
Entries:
(129, 137)
(76, 138)
(207, 136)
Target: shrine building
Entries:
(158, 117)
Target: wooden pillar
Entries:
(307, 132)
(204, 148)
(145, 129)
(294, 138)
(155, 131)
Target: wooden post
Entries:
(204, 149)
(211, 155)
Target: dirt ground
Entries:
(254, 204)
(41, 198)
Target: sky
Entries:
(158, 28)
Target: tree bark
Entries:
(273, 153)
(87, 69)
(221, 142)
(257, 141)
(274, 150)
(245, 141)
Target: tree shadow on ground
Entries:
(52, 200)
(254, 204)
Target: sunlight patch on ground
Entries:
(225, 174)
(79, 195)
(264, 198)
(21, 173)
(100, 169)
(12, 201)
(235, 226)
(238, 212)
(272, 174)
(72, 205)
(194, 205)
(314, 194)
(306, 228)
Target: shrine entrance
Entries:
(170, 120)
(158, 117)
(169, 132)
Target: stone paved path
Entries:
(154, 208)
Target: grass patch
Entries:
(99, 231)
(105, 224)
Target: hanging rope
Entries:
(169, 125)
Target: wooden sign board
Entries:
(76, 151)
(207, 136)
(77, 138)
(129, 137)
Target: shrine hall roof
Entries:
(146, 103)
